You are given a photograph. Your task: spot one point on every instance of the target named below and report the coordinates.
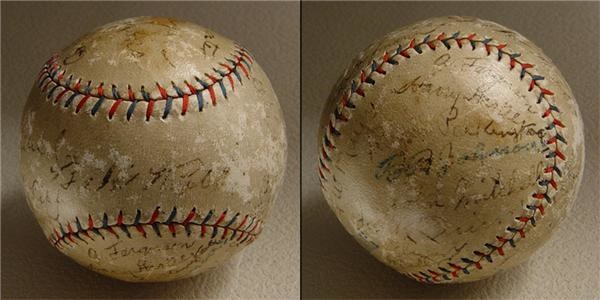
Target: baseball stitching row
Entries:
(74, 92)
(235, 228)
(539, 200)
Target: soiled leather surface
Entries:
(336, 266)
(33, 269)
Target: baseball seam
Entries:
(539, 200)
(248, 227)
(54, 83)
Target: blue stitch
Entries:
(157, 230)
(97, 105)
(125, 230)
(46, 76)
(104, 221)
(138, 216)
(52, 91)
(222, 86)
(172, 215)
(203, 83)
(177, 90)
(200, 100)
(537, 77)
(232, 220)
(131, 109)
(208, 216)
(115, 93)
(168, 106)
(145, 95)
(214, 232)
(78, 224)
(425, 39)
(373, 66)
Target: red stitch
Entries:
(541, 208)
(60, 76)
(60, 96)
(321, 174)
(190, 216)
(90, 222)
(478, 265)
(184, 105)
(547, 113)
(512, 63)
(360, 91)
(242, 223)
(245, 55)
(546, 92)
(225, 231)
(110, 229)
(553, 183)
(202, 230)
(501, 46)
(120, 218)
(500, 250)
(412, 43)
(228, 76)
(239, 64)
(386, 58)
(220, 219)
(521, 232)
(526, 66)
(559, 154)
(130, 93)
(113, 108)
(433, 273)
(100, 89)
(471, 36)
(549, 169)
(213, 98)
(155, 215)
(363, 77)
(431, 45)
(77, 85)
(531, 85)
(46, 85)
(172, 229)
(558, 123)
(523, 219)
(254, 227)
(149, 109)
(539, 196)
(140, 228)
(163, 92)
(240, 237)
(81, 103)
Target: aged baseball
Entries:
(152, 149)
(451, 149)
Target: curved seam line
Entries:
(539, 198)
(249, 227)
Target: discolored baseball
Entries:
(451, 149)
(152, 149)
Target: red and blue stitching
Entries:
(51, 79)
(539, 200)
(214, 226)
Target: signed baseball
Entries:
(152, 149)
(451, 149)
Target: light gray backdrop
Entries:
(334, 265)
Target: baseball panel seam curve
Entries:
(57, 86)
(248, 227)
(539, 200)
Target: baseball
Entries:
(451, 149)
(152, 149)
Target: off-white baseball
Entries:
(451, 149)
(152, 149)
